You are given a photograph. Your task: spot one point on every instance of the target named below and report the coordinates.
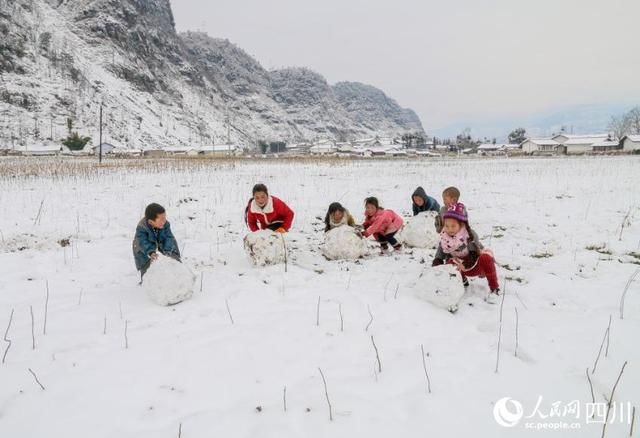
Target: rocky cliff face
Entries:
(371, 108)
(59, 59)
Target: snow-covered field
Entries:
(566, 234)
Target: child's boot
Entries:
(397, 247)
(384, 247)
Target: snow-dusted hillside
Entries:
(115, 364)
(60, 59)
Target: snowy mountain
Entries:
(59, 59)
(370, 107)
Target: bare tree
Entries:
(619, 126)
(633, 119)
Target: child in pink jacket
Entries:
(381, 224)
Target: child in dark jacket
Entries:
(382, 224)
(460, 246)
(423, 202)
(153, 235)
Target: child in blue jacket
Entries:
(153, 235)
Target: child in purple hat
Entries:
(460, 246)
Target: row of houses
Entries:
(579, 144)
(558, 144)
(53, 149)
(374, 146)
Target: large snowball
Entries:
(342, 243)
(168, 281)
(265, 247)
(420, 231)
(441, 286)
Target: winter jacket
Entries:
(149, 240)
(439, 222)
(474, 247)
(430, 204)
(381, 222)
(274, 212)
(347, 219)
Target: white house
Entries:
(539, 146)
(367, 143)
(578, 144)
(422, 153)
(630, 143)
(491, 148)
(43, 149)
(219, 150)
(298, 148)
(323, 149)
(345, 148)
(107, 148)
(606, 145)
(181, 150)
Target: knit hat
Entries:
(456, 211)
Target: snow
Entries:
(419, 231)
(555, 226)
(342, 243)
(168, 281)
(265, 247)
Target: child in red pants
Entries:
(460, 246)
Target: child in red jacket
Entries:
(460, 246)
(265, 212)
(382, 224)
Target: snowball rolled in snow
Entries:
(265, 247)
(168, 281)
(441, 286)
(419, 231)
(342, 243)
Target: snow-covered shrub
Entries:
(168, 281)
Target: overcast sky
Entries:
(448, 60)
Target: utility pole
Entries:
(100, 151)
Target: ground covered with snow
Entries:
(110, 362)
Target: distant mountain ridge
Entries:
(577, 119)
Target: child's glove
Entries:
(153, 256)
(281, 230)
(459, 264)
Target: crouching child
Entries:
(460, 246)
(382, 224)
(153, 236)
